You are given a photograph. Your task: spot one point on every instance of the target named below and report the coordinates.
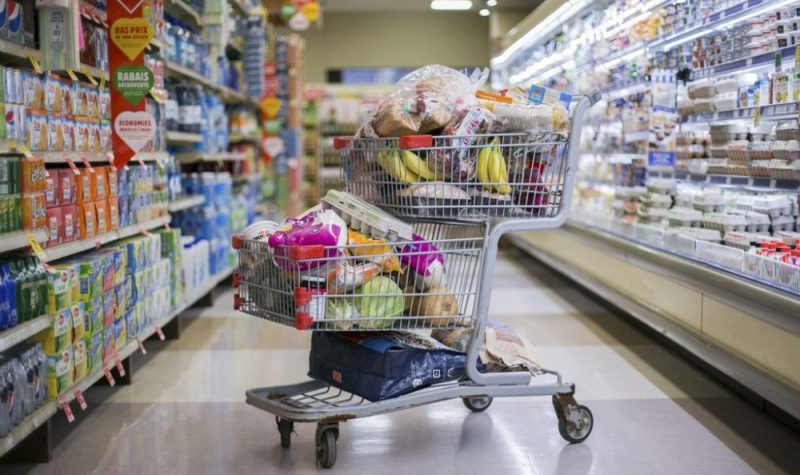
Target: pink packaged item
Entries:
(314, 228)
(425, 262)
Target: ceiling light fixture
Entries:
(451, 4)
(491, 3)
(484, 12)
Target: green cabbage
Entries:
(378, 302)
(341, 309)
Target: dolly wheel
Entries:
(285, 427)
(326, 448)
(576, 425)
(477, 403)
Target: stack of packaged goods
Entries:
(23, 386)
(142, 194)
(23, 291)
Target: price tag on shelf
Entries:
(79, 397)
(160, 333)
(35, 63)
(102, 83)
(141, 346)
(72, 74)
(85, 70)
(71, 164)
(139, 159)
(64, 405)
(86, 163)
(159, 162)
(144, 231)
(167, 226)
(36, 248)
(118, 364)
(97, 243)
(108, 376)
(23, 149)
(110, 157)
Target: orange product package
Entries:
(113, 183)
(88, 220)
(34, 211)
(100, 183)
(70, 217)
(101, 213)
(32, 175)
(68, 187)
(86, 186)
(113, 213)
(55, 226)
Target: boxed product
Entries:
(382, 365)
(33, 175)
(94, 352)
(90, 276)
(112, 212)
(55, 226)
(101, 184)
(122, 301)
(58, 336)
(93, 315)
(59, 289)
(34, 211)
(108, 342)
(111, 178)
(60, 372)
(101, 212)
(86, 187)
(88, 220)
(68, 186)
(79, 322)
(130, 325)
(52, 192)
(79, 359)
(71, 221)
(109, 308)
(120, 334)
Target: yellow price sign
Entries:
(36, 247)
(72, 74)
(757, 116)
(35, 63)
(102, 82)
(796, 56)
(85, 70)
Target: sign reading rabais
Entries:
(129, 34)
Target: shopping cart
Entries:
(473, 192)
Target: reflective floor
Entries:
(654, 412)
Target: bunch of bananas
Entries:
(492, 170)
(405, 166)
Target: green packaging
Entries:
(120, 334)
(93, 316)
(60, 373)
(79, 322)
(58, 336)
(79, 359)
(90, 278)
(94, 353)
(59, 290)
(122, 301)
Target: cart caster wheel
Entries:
(576, 426)
(285, 427)
(477, 403)
(326, 448)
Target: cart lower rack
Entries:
(366, 284)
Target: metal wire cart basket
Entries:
(462, 195)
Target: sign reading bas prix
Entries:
(133, 82)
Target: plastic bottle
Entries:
(6, 393)
(5, 304)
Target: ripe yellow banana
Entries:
(417, 165)
(397, 168)
(500, 170)
(483, 164)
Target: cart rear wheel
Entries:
(577, 425)
(477, 403)
(285, 427)
(326, 448)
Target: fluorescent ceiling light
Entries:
(491, 3)
(451, 4)
(484, 12)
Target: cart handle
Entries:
(343, 142)
(416, 141)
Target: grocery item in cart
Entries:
(366, 218)
(503, 349)
(424, 262)
(316, 227)
(377, 251)
(382, 365)
(378, 301)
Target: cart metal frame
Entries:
(315, 401)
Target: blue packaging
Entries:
(382, 365)
(3, 19)
(14, 28)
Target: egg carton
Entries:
(725, 222)
(698, 166)
(740, 240)
(684, 217)
(661, 185)
(783, 223)
(787, 131)
(629, 192)
(702, 106)
(760, 169)
(784, 171)
(360, 215)
(773, 205)
(757, 222)
(718, 151)
(656, 200)
(717, 166)
(701, 234)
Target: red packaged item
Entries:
(55, 225)
(32, 175)
(68, 187)
(113, 213)
(86, 186)
(34, 211)
(113, 183)
(71, 220)
(100, 184)
(101, 214)
(88, 220)
(52, 192)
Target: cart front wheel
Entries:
(576, 426)
(326, 448)
(477, 403)
(285, 427)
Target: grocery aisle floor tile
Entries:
(655, 413)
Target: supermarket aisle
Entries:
(654, 413)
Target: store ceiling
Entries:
(414, 5)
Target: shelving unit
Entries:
(239, 138)
(183, 11)
(18, 240)
(191, 157)
(43, 414)
(186, 203)
(182, 138)
(65, 250)
(23, 331)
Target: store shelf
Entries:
(776, 112)
(21, 54)
(614, 157)
(744, 64)
(638, 136)
(40, 416)
(182, 10)
(23, 331)
(17, 240)
(65, 250)
(59, 158)
(181, 138)
(192, 157)
(239, 138)
(186, 203)
(175, 70)
(736, 181)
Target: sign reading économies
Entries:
(133, 127)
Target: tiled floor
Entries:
(654, 413)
